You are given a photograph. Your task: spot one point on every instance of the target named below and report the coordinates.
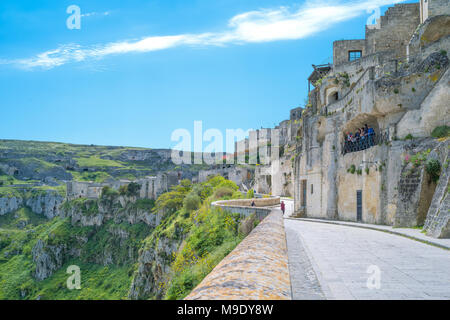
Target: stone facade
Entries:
(430, 8)
(395, 29)
(342, 49)
(275, 176)
(399, 96)
(241, 175)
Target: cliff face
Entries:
(154, 266)
(48, 259)
(46, 203)
(10, 204)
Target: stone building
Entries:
(271, 175)
(151, 187)
(395, 81)
(242, 175)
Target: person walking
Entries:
(283, 207)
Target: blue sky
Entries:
(137, 70)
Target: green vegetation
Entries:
(409, 137)
(250, 194)
(97, 176)
(207, 244)
(23, 216)
(9, 192)
(107, 252)
(441, 132)
(94, 161)
(433, 168)
(131, 190)
(417, 159)
(352, 169)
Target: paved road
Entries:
(337, 262)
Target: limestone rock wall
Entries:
(153, 269)
(46, 203)
(48, 259)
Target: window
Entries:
(354, 55)
(312, 189)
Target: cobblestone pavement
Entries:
(347, 259)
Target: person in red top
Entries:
(283, 206)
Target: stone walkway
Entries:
(415, 234)
(355, 263)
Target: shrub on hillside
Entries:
(215, 181)
(191, 202)
(441, 132)
(250, 194)
(229, 184)
(433, 168)
(222, 192)
(108, 192)
(133, 189)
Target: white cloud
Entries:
(255, 26)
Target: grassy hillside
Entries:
(32, 162)
(110, 255)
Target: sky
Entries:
(136, 71)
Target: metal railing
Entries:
(365, 142)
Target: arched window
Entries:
(332, 97)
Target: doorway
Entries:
(303, 194)
(359, 205)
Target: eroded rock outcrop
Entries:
(46, 203)
(48, 259)
(151, 277)
(11, 204)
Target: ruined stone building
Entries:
(395, 81)
(151, 187)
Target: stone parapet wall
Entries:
(244, 208)
(259, 202)
(257, 269)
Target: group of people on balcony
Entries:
(363, 138)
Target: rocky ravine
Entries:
(109, 215)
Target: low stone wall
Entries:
(257, 269)
(243, 206)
